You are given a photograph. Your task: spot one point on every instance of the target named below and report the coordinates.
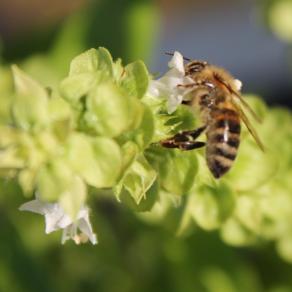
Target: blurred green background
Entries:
(133, 254)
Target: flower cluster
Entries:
(98, 130)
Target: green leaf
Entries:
(284, 247)
(178, 170)
(249, 213)
(91, 61)
(211, 206)
(143, 135)
(10, 159)
(166, 125)
(118, 70)
(6, 86)
(257, 104)
(8, 136)
(186, 223)
(204, 176)
(136, 79)
(59, 109)
(76, 86)
(129, 153)
(165, 210)
(86, 62)
(54, 179)
(252, 167)
(30, 104)
(234, 233)
(27, 181)
(145, 204)
(184, 118)
(105, 61)
(275, 208)
(31, 151)
(137, 181)
(73, 199)
(96, 160)
(111, 112)
(86, 70)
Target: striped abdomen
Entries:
(223, 136)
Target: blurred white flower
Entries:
(56, 218)
(167, 86)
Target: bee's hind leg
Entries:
(193, 134)
(190, 145)
(185, 140)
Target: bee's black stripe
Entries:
(231, 124)
(218, 168)
(219, 138)
(233, 142)
(234, 126)
(221, 124)
(221, 152)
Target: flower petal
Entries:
(34, 206)
(177, 62)
(173, 102)
(56, 218)
(154, 88)
(70, 232)
(171, 85)
(86, 228)
(51, 223)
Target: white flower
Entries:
(168, 85)
(56, 218)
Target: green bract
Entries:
(212, 206)
(30, 104)
(110, 112)
(135, 79)
(137, 180)
(96, 160)
(100, 128)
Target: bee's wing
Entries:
(247, 106)
(243, 102)
(249, 126)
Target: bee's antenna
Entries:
(171, 54)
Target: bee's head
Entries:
(195, 67)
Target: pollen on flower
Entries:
(80, 238)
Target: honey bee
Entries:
(216, 94)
